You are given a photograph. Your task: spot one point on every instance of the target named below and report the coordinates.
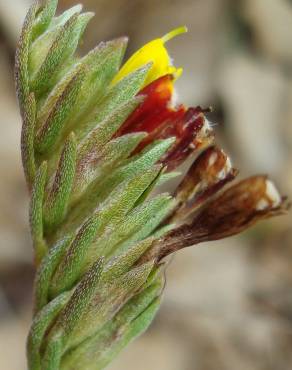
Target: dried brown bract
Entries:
(229, 213)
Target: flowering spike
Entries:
(96, 142)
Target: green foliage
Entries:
(36, 212)
(48, 133)
(63, 46)
(40, 325)
(92, 214)
(27, 139)
(46, 271)
(56, 202)
(98, 350)
(44, 18)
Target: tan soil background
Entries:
(227, 304)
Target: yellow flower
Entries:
(155, 52)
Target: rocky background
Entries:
(228, 304)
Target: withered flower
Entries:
(216, 217)
(203, 210)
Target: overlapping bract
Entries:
(92, 152)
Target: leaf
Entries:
(98, 191)
(135, 329)
(124, 198)
(44, 18)
(49, 133)
(57, 200)
(156, 275)
(53, 352)
(102, 134)
(122, 234)
(40, 324)
(162, 206)
(102, 64)
(68, 270)
(46, 270)
(118, 94)
(120, 264)
(153, 152)
(103, 306)
(62, 48)
(111, 211)
(36, 213)
(136, 165)
(41, 47)
(21, 60)
(77, 304)
(27, 140)
(150, 188)
(100, 161)
(101, 346)
(66, 15)
(116, 205)
(56, 95)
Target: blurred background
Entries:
(227, 304)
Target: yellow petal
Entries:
(155, 52)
